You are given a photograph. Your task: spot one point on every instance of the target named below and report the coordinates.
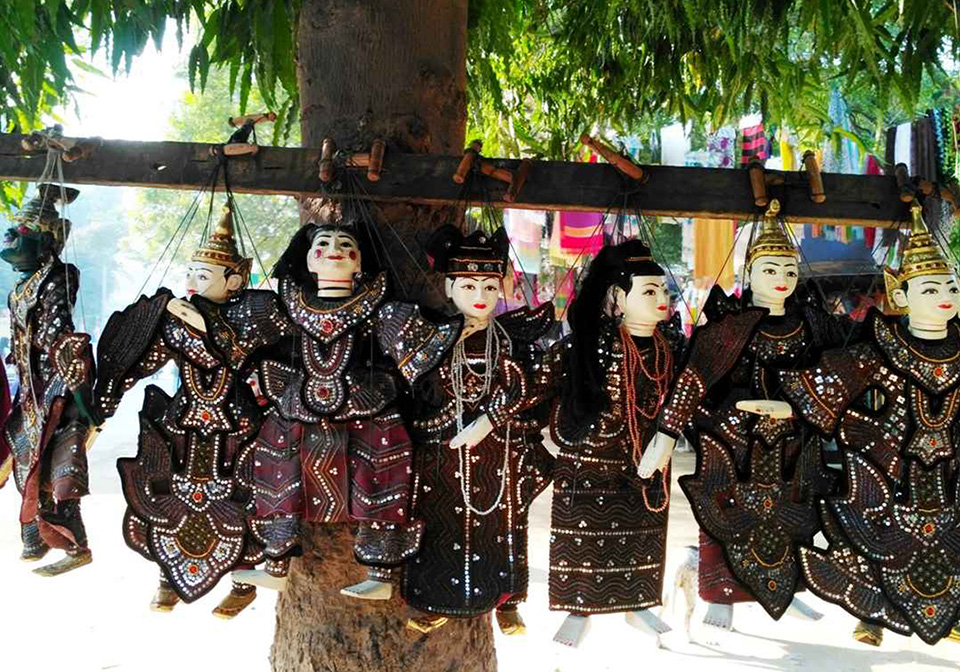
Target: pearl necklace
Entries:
(459, 362)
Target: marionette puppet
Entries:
(48, 428)
(188, 491)
(479, 458)
(759, 472)
(333, 449)
(893, 558)
(608, 526)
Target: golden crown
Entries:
(772, 240)
(220, 247)
(921, 256)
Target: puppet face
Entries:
(929, 299)
(647, 302)
(334, 257)
(474, 296)
(774, 279)
(211, 281)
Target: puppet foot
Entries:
(647, 622)
(369, 590)
(71, 562)
(426, 624)
(259, 577)
(510, 621)
(572, 631)
(34, 553)
(239, 598)
(954, 634)
(868, 633)
(719, 616)
(165, 599)
(800, 609)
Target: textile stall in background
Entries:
(712, 252)
(525, 229)
(581, 233)
(753, 141)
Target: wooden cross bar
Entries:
(709, 193)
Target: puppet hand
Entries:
(772, 409)
(186, 312)
(657, 455)
(473, 433)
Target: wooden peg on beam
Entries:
(376, 160)
(617, 160)
(466, 163)
(490, 170)
(240, 149)
(327, 150)
(758, 182)
(519, 178)
(817, 194)
(82, 149)
(237, 122)
(907, 189)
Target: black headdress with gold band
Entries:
(453, 254)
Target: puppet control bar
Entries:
(707, 193)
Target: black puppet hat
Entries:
(453, 254)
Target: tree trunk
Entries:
(396, 71)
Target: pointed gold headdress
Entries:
(220, 247)
(772, 240)
(921, 256)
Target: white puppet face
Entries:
(647, 302)
(774, 279)
(211, 281)
(929, 299)
(334, 257)
(474, 296)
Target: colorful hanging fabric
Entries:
(581, 233)
(525, 229)
(753, 142)
(842, 156)
(712, 245)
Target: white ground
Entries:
(96, 618)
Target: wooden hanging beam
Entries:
(706, 193)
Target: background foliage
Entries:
(539, 71)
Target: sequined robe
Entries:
(755, 489)
(894, 536)
(46, 431)
(608, 528)
(189, 489)
(334, 448)
(475, 501)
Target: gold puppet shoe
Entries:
(510, 622)
(239, 598)
(426, 624)
(69, 563)
(868, 633)
(165, 599)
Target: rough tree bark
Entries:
(397, 71)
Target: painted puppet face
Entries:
(211, 281)
(774, 279)
(334, 257)
(647, 302)
(929, 299)
(474, 296)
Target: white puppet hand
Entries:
(473, 433)
(772, 409)
(657, 455)
(186, 312)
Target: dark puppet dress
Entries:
(475, 501)
(334, 448)
(46, 432)
(893, 404)
(755, 489)
(608, 526)
(189, 489)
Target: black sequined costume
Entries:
(894, 535)
(334, 448)
(475, 501)
(189, 489)
(46, 430)
(608, 526)
(757, 480)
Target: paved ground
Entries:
(97, 618)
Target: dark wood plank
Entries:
(709, 193)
